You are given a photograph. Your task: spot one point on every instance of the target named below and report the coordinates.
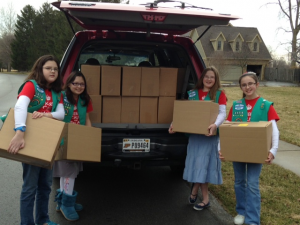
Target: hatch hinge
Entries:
(202, 34)
(66, 14)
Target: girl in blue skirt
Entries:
(202, 164)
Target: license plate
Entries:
(136, 145)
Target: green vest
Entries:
(69, 110)
(193, 95)
(39, 99)
(259, 112)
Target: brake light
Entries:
(154, 18)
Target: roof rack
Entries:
(184, 5)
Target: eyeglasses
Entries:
(50, 69)
(250, 84)
(209, 78)
(78, 84)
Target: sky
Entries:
(253, 13)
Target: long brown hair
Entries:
(84, 95)
(215, 87)
(249, 74)
(37, 74)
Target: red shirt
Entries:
(272, 114)
(75, 116)
(29, 91)
(222, 98)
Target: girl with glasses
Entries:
(203, 165)
(78, 105)
(40, 95)
(251, 108)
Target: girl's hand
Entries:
(211, 129)
(221, 156)
(16, 143)
(36, 115)
(171, 129)
(270, 158)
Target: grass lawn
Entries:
(280, 188)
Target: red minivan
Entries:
(150, 35)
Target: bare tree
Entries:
(219, 61)
(290, 11)
(241, 57)
(5, 50)
(7, 26)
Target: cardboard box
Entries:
(92, 76)
(131, 81)
(148, 110)
(81, 144)
(168, 81)
(42, 140)
(194, 116)
(96, 114)
(130, 112)
(111, 109)
(110, 80)
(165, 109)
(150, 81)
(246, 141)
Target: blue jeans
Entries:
(36, 187)
(247, 191)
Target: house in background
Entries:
(233, 50)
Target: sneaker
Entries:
(49, 223)
(201, 207)
(239, 219)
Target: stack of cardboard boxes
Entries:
(132, 94)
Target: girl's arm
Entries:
(220, 119)
(20, 114)
(59, 113)
(87, 120)
(275, 141)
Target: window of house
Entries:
(237, 46)
(255, 46)
(219, 45)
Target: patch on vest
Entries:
(192, 94)
(39, 89)
(239, 101)
(238, 120)
(262, 106)
(239, 107)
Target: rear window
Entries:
(133, 54)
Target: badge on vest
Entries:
(192, 94)
(40, 89)
(239, 107)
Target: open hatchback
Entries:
(121, 46)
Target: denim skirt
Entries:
(202, 164)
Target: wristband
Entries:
(23, 128)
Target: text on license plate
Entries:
(136, 145)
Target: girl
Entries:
(251, 108)
(77, 105)
(202, 165)
(40, 95)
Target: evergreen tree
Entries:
(21, 46)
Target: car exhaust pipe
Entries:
(118, 162)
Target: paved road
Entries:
(111, 196)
